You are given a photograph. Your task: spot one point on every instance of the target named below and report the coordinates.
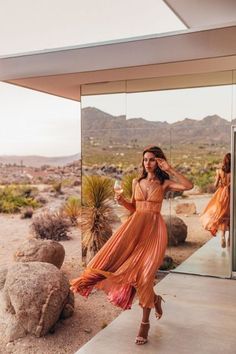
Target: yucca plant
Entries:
(72, 209)
(127, 181)
(127, 184)
(97, 213)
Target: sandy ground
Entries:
(93, 314)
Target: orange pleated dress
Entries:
(216, 215)
(128, 262)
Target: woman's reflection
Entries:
(216, 216)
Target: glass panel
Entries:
(103, 132)
(233, 200)
(200, 138)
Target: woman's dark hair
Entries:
(161, 175)
(227, 163)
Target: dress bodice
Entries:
(224, 179)
(152, 202)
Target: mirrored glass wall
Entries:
(192, 125)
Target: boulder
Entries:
(186, 208)
(176, 229)
(36, 295)
(35, 250)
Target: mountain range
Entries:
(106, 128)
(37, 161)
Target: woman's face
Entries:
(149, 162)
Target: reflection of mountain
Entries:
(105, 128)
(37, 161)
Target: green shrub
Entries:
(72, 209)
(205, 180)
(13, 198)
(57, 187)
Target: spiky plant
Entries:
(72, 209)
(127, 184)
(97, 213)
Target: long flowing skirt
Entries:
(128, 262)
(216, 215)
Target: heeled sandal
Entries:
(159, 312)
(141, 340)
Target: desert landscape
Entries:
(33, 186)
(94, 313)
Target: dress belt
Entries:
(148, 206)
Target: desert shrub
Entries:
(13, 198)
(50, 226)
(210, 188)
(57, 187)
(27, 213)
(42, 200)
(76, 183)
(67, 182)
(204, 181)
(127, 184)
(167, 263)
(97, 213)
(72, 209)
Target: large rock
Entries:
(176, 229)
(186, 208)
(36, 295)
(34, 250)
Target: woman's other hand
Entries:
(119, 198)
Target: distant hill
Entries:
(107, 129)
(37, 161)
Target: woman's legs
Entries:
(228, 239)
(223, 242)
(158, 309)
(144, 327)
(146, 314)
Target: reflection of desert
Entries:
(95, 313)
(196, 236)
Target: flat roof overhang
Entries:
(115, 65)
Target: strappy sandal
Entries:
(158, 309)
(223, 242)
(141, 340)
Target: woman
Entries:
(216, 215)
(128, 262)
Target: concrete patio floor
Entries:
(199, 318)
(211, 260)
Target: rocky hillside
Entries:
(38, 161)
(104, 128)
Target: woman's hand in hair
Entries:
(163, 164)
